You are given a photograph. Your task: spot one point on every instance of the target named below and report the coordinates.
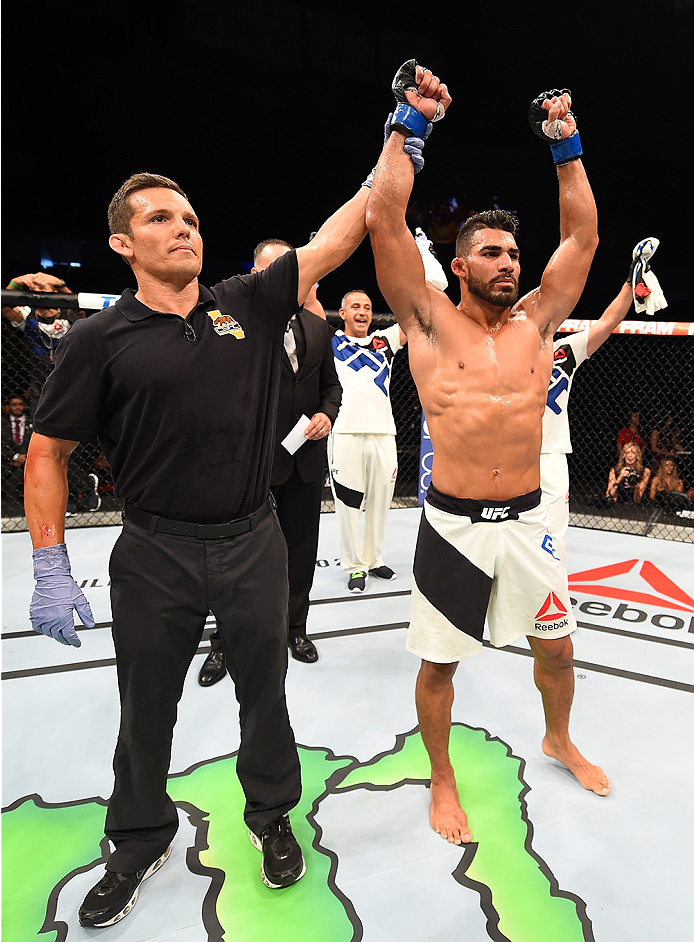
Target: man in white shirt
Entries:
(569, 353)
(361, 451)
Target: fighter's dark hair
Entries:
(264, 244)
(489, 219)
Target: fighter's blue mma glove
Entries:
(405, 117)
(413, 147)
(563, 151)
(56, 595)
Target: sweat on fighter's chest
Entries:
(511, 358)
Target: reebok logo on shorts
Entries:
(552, 614)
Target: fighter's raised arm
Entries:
(422, 98)
(340, 235)
(564, 277)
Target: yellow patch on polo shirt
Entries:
(225, 324)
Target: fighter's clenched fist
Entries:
(557, 122)
(421, 97)
(551, 118)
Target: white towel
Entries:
(648, 295)
(433, 269)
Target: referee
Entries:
(199, 531)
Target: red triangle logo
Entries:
(551, 609)
(671, 596)
(378, 344)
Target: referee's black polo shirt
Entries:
(184, 409)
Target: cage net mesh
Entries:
(651, 375)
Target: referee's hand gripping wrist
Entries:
(56, 596)
(413, 146)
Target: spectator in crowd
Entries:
(43, 330)
(665, 441)
(631, 433)
(628, 479)
(308, 386)
(666, 478)
(362, 455)
(16, 432)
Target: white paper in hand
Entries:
(296, 437)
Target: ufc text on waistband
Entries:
(483, 511)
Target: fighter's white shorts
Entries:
(554, 480)
(477, 558)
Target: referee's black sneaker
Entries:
(283, 862)
(115, 895)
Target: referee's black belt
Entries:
(202, 531)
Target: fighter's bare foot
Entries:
(590, 776)
(447, 817)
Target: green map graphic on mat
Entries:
(44, 845)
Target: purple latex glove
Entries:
(413, 147)
(56, 595)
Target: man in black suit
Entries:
(16, 432)
(308, 386)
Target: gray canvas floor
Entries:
(624, 860)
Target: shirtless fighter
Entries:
(482, 370)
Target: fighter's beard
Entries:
(499, 297)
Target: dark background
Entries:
(271, 115)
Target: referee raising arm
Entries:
(200, 533)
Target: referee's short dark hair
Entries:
(121, 210)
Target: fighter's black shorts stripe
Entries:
(450, 582)
(348, 496)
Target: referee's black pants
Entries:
(162, 588)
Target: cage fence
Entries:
(651, 374)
